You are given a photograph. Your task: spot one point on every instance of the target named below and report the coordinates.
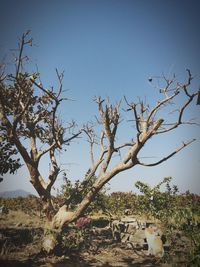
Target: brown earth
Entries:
(21, 238)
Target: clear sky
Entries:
(110, 48)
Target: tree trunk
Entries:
(64, 217)
(44, 194)
(48, 209)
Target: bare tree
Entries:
(29, 122)
(148, 122)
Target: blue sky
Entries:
(110, 48)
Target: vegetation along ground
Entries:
(90, 242)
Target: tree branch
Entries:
(133, 107)
(19, 116)
(88, 130)
(181, 112)
(160, 104)
(54, 172)
(110, 121)
(169, 156)
(52, 146)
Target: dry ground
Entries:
(22, 247)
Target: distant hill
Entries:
(15, 193)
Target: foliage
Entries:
(118, 202)
(187, 220)
(156, 203)
(30, 123)
(31, 110)
(77, 237)
(179, 213)
(73, 193)
(8, 161)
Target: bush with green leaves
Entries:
(180, 214)
(75, 239)
(157, 203)
(118, 202)
(186, 218)
(73, 193)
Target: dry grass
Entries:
(19, 218)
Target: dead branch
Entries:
(110, 120)
(169, 156)
(132, 106)
(89, 131)
(181, 112)
(22, 43)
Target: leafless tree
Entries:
(148, 121)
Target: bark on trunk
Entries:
(44, 194)
(48, 209)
